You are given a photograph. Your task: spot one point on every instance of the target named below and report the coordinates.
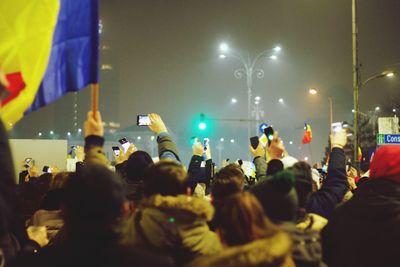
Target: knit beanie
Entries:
(386, 163)
(278, 197)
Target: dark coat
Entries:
(335, 186)
(197, 174)
(80, 256)
(365, 231)
(13, 236)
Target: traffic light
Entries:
(202, 124)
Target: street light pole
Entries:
(330, 112)
(355, 79)
(257, 112)
(248, 70)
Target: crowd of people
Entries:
(166, 214)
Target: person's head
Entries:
(59, 180)
(240, 219)
(274, 166)
(45, 181)
(136, 165)
(303, 181)
(278, 197)
(92, 204)
(167, 178)
(229, 180)
(386, 164)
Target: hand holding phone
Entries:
(254, 141)
(116, 150)
(336, 127)
(206, 141)
(255, 148)
(124, 143)
(143, 120)
(28, 162)
(269, 133)
(338, 138)
(46, 169)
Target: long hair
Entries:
(241, 219)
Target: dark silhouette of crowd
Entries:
(163, 213)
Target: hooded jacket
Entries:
(274, 251)
(175, 225)
(365, 231)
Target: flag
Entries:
(307, 137)
(73, 62)
(359, 154)
(41, 66)
(26, 28)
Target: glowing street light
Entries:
(280, 100)
(234, 100)
(69, 133)
(277, 48)
(222, 56)
(223, 47)
(377, 108)
(273, 57)
(39, 134)
(51, 132)
(394, 110)
(390, 74)
(79, 130)
(291, 142)
(313, 91)
(222, 139)
(257, 98)
(139, 138)
(232, 141)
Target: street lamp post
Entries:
(356, 81)
(257, 112)
(356, 78)
(248, 70)
(357, 112)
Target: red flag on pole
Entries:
(307, 138)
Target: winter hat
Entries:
(386, 163)
(136, 165)
(288, 161)
(278, 197)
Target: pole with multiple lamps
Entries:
(248, 70)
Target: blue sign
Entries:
(262, 127)
(388, 139)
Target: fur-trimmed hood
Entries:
(274, 251)
(180, 205)
(174, 223)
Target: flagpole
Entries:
(95, 97)
(311, 156)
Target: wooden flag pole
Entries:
(95, 97)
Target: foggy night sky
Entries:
(164, 55)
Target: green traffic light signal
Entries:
(202, 124)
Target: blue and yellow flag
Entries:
(47, 49)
